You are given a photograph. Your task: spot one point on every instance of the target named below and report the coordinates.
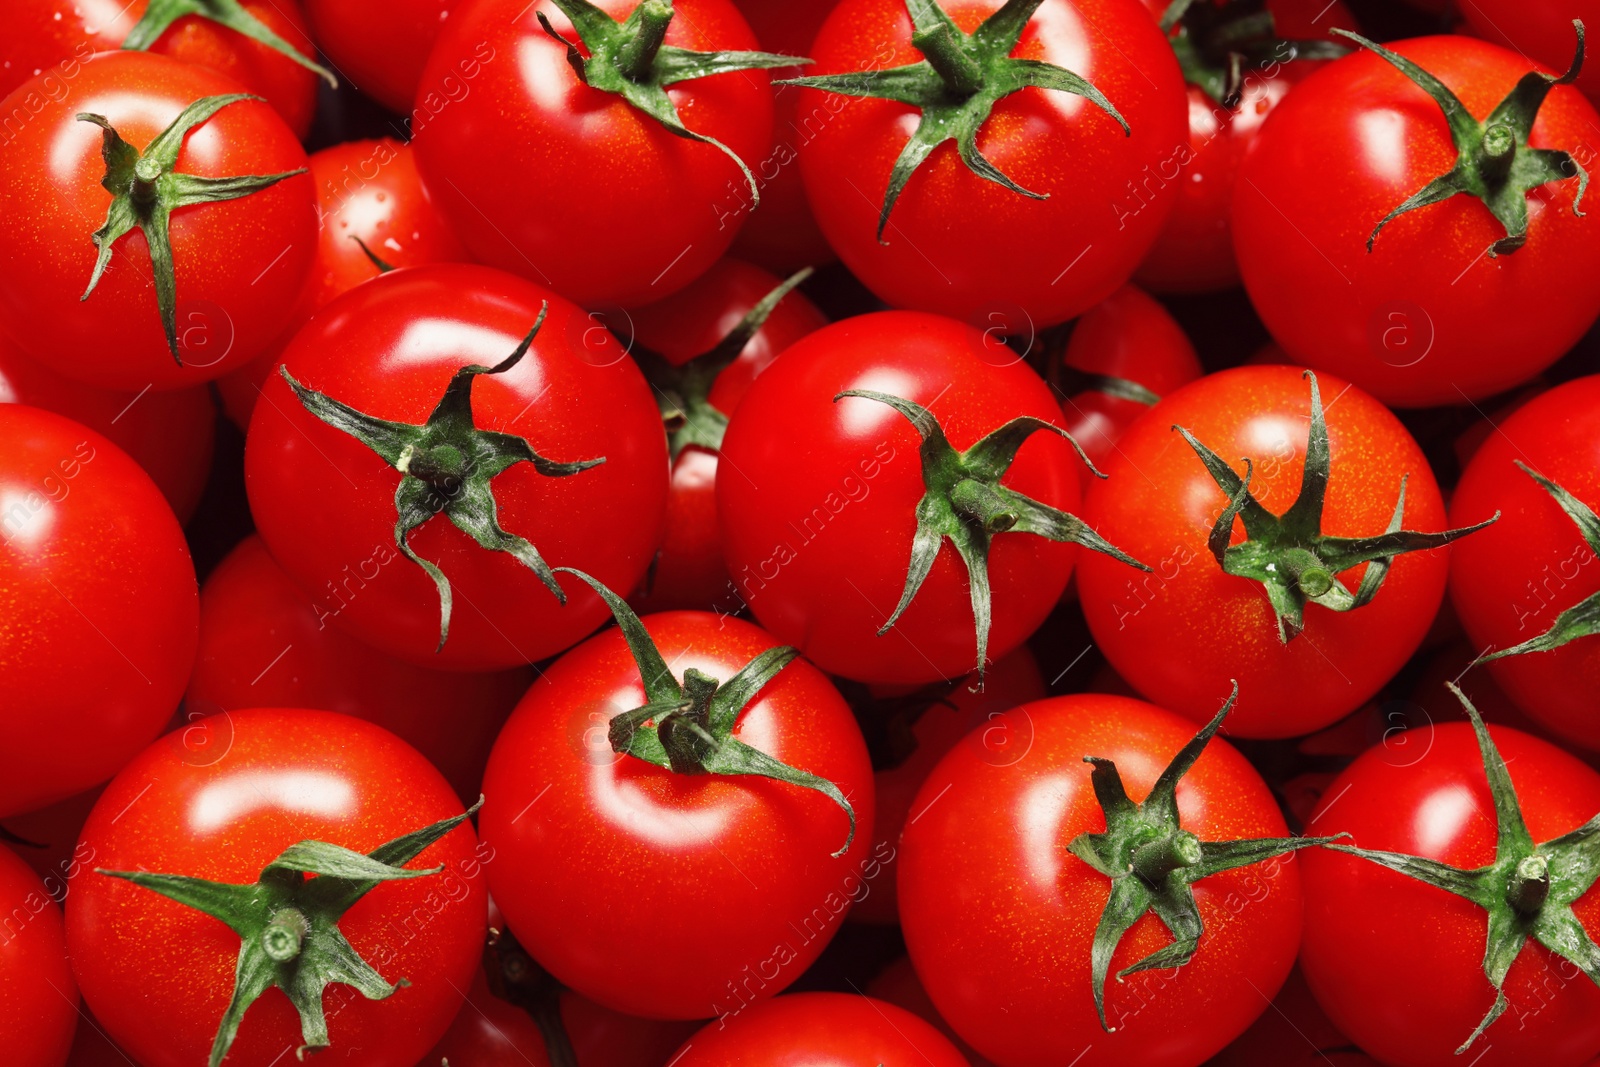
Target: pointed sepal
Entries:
(160, 14)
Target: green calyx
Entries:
(288, 925)
(683, 391)
(384, 267)
(1583, 618)
(966, 503)
(687, 727)
(145, 191)
(629, 58)
(1494, 162)
(230, 13)
(1529, 889)
(448, 463)
(1289, 554)
(956, 86)
(1214, 44)
(1153, 862)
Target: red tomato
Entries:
(753, 855)
(38, 998)
(1511, 582)
(820, 1030)
(689, 572)
(263, 642)
(47, 839)
(168, 433)
(60, 34)
(239, 263)
(1006, 958)
(92, 1048)
(1430, 992)
(389, 348)
(379, 47)
(1406, 321)
(286, 775)
(818, 538)
(1180, 634)
(102, 608)
(498, 101)
(898, 984)
(1129, 336)
(968, 247)
(1294, 1032)
(1540, 30)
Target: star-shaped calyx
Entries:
(957, 85)
(446, 465)
(145, 191)
(1529, 889)
(1289, 554)
(1494, 161)
(629, 58)
(965, 502)
(160, 14)
(1583, 618)
(288, 925)
(687, 727)
(1153, 862)
(1215, 43)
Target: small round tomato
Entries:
(1000, 916)
(1511, 583)
(102, 608)
(238, 262)
(158, 973)
(899, 985)
(739, 881)
(1294, 1032)
(325, 503)
(636, 210)
(380, 47)
(1539, 29)
(1180, 634)
(820, 1030)
(1414, 312)
(264, 642)
(38, 998)
(169, 433)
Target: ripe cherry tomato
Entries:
(898, 984)
(999, 916)
(1534, 564)
(264, 642)
(222, 813)
(820, 1030)
(639, 212)
(1539, 29)
(1294, 1032)
(1411, 321)
(102, 610)
(168, 433)
(38, 998)
(734, 878)
(379, 47)
(389, 348)
(1179, 634)
(961, 245)
(239, 263)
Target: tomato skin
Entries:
(38, 998)
(169, 434)
(83, 524)
(689, 572)
(284, 775)
(379, 47)
(817, 533)
(263, 642)
(1430, 993)
(1181, 634)
(1407, 321)
(239, 263)
(963, 246)
(1540, 29)
(1294, 1032)
(898, 984)
(389, 348)
(1534, 564)
(1006, 958)
(668, 853)
(666, 198)
(820, 1030)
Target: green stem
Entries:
(1496, 152)
(282, 938)
(1530, 886)
(1160, 858)
(960, 72)
(145, 173)
(984, 506)
(636, 58)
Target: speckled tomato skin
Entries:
(999, 924)
(1181, 634)
(624, 211)
(820, 1030)
(219, 802)
(239, 263)
(596, 850)
(38, 998)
